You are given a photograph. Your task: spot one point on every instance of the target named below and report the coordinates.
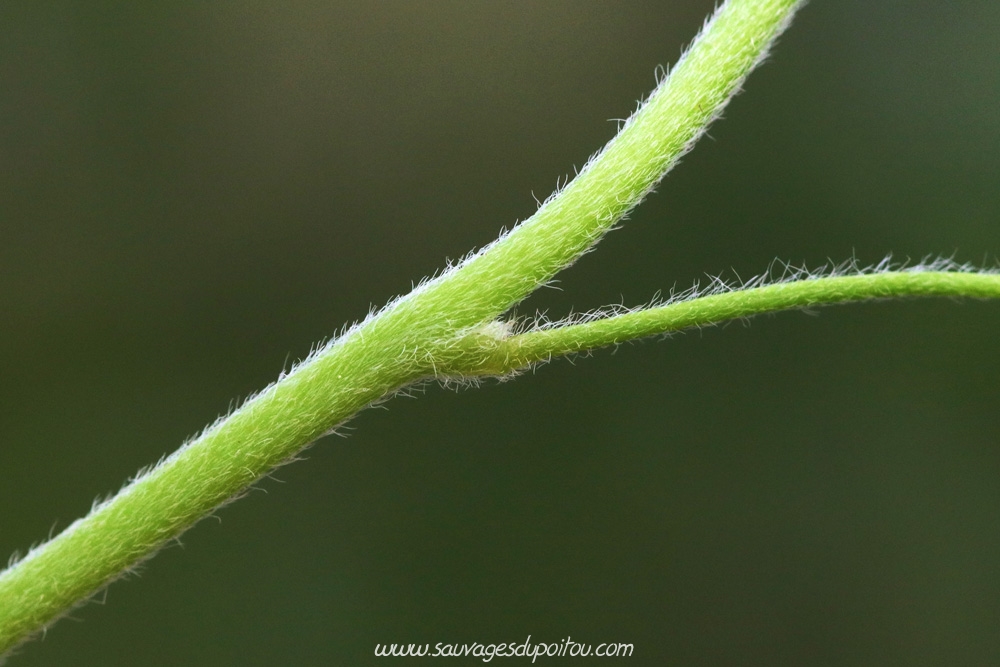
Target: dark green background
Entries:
(192, 194)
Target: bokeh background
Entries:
(192, 194)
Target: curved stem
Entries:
(614, 181)
(396, 346)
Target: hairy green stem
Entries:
(403, 343)
(650, 143)
(494, 352)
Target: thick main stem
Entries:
(397, 346)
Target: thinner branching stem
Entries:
(493, 352)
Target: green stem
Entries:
(614, 181)
(493, 352)
(401, 344)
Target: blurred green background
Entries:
(192, 194)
